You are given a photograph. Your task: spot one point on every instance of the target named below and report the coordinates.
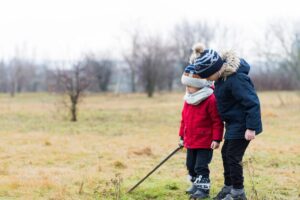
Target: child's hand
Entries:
(249, 134)
(181, 143)
(214, 145)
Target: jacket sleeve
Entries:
(244, 92)
(217, 123)
(182, 125)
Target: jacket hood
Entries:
(244, 67)
(231, 63)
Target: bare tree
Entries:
(73, 83)
(168, 68)
(14, 72)
(280, 55)
(228, 38)
(131, 57)
(186, 34)
(21, 74)
(26, 76)
(155, 64)
(3, 77)
(100, 71)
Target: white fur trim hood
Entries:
(231, 63)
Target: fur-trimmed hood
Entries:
(231, 63)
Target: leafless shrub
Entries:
(72, 82)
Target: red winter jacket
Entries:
(201, 124)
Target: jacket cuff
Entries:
(218, 141)
(252, 129)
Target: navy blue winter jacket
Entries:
(238, 104)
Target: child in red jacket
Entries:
(201, 130)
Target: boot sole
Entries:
(197, 198)
(194, 198)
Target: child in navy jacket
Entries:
(239, 108)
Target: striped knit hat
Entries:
(206, 61)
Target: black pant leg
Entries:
(191, 161)
(204, 157)
(227, 178)
(235, 153)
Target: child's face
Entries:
(214, 77)
(191, 89)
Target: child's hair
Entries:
(198, 49)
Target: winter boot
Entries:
(236, 194)
(203, 185)
(223, 193)
(193, 188)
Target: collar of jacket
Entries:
(231, 64)
(199, 96)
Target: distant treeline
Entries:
(155, 62)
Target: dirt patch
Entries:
(119, 165)
(145, 151)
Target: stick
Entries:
(162, 162)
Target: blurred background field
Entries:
(120, 138)
(75, 76)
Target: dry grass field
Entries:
(118, 139)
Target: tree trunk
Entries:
(133, 89)
(74, 112)
(170, 85)
(150, 89)
(12, 89)
(73, 108)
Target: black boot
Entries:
(193, 188)
(223, 193)
(203, 185)
(236, 194)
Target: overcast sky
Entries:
(64, 29)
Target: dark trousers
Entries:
(197, 161)
(232, 155)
